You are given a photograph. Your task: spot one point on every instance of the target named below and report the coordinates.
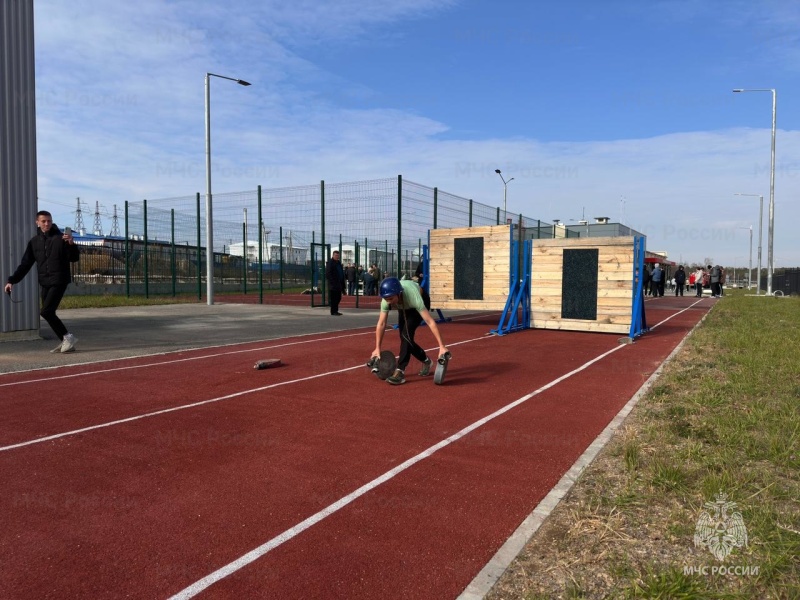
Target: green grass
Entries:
(723, 417)
(736, 430)
(113, 300)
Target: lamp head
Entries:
(497, 171)
(243, 82)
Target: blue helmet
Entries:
(391, 287)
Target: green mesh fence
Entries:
(263, 237)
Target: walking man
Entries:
(52, 251)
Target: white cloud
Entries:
(120, 117)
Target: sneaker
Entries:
(397, 378)
(426, 367)
(68, 343)
(57, 348)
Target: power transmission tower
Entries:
(115, 224)
(79, 226)
(98, 224)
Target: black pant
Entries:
(335, 297)
(407, 324)
(51, 298)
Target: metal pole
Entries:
(750, 265)
(505, 202)
(209, 223)
(760, 233)
(505, 193)
(209, 218)
(771, 229)
(770, 237)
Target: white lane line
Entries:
(195, 404)
(256, 553)
(180, 360)
(484, 581)
(191, 358)
(287, 535)
(676, 314)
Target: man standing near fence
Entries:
(334, 274)
(52, 251)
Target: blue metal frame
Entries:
(425, 284)
(517, 312)
(638, 317)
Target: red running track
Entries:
(192, 474)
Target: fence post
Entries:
(199, 261)
(127, 255)
(260, 251)
(280, 256)
(324, 284)
(470, 212)
(244, 256)
(172, 248)
(435, 205)
(399, 216)
(356, 262)
(146, 252)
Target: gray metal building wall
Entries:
(17, 165)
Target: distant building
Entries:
(602, 227)
(270, 252)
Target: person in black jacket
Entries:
(335, 276)
(51, 251)
(680, 280)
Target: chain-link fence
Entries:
(263, 238)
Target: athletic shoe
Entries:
(426, 367)
(57, 348)
(397, 378)
(68, 343)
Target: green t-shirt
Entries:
(411, 298)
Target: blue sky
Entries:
(615, 108)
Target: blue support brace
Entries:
(517, 312)
(638, 317)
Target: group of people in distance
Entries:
(712, 277)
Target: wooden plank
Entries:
(614, 284)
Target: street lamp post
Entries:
(505, 195)
(750, 264)
(209, 218)
(771, 227)
(760, 230)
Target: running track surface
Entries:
(192, 474)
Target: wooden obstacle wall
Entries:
(583, 284)
(469, 267)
